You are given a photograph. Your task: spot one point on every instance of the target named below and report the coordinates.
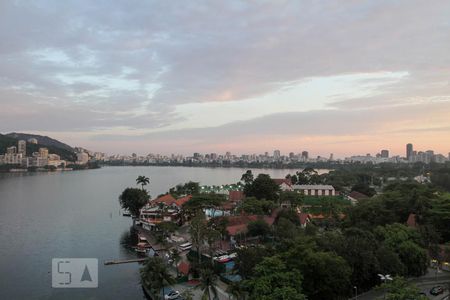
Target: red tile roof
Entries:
(235, 196)
(280, 181)
(304, 218)
(167, 199)
(180, 201)
(357, 195)
(183, 267)
(235, 229)
(237, 220)
(411, 222)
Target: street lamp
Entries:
(385, 278)
(356, 292)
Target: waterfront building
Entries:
(11, 150)
(22, 148)
(82, 158)
(43, 153)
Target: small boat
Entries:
(223, 259)
(126, 213)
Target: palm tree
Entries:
(208, 283)
(155, 275)
(142, 180)
(175, 257)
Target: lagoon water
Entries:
(77, 215)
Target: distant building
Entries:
(276, 154)
(82, 158)
(385, 153)
(11, 150)
(409, 151)
(22, 148)
(305, 155)
(43, 153)
(33, 141)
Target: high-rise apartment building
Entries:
(22, 148)
(276, 154)
(385, 153)
(409, 151)
(305, 155)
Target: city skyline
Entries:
(329, 77)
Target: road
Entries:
(424, 283)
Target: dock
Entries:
(123, 261)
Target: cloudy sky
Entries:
(346, 77)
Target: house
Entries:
(315, 189)
(355, 196)
(284, 184)
(304, 218)
(162, 209)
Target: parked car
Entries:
(172, 295)
(437, 290)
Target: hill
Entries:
(42, 140)
(8, 141)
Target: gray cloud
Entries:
(85, 65)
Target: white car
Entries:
(172, 295)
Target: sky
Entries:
(343, 77)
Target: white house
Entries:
(315, 189)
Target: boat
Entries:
(223, 259)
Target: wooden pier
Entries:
(123, 261)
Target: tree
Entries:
(189, 188)
(176, 258)
(253, 206)
(198, 229)
(237, 291)
(133, 200)
(285, 229)
(248, 258)
(247, 177)
(263, 187)
(273, 280)
(294, 199)
(142, 180)
(208, 283)
(325, 275)
(440, 216)
(413, 257)
(155, 275)
(401, 289)
(166, 229)
(359, 250)
(258, 228)
(364, 188)
(406, 243)
(205, 201)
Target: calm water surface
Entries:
(76, 214)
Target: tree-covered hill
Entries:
(8, 141)
(42, 140)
